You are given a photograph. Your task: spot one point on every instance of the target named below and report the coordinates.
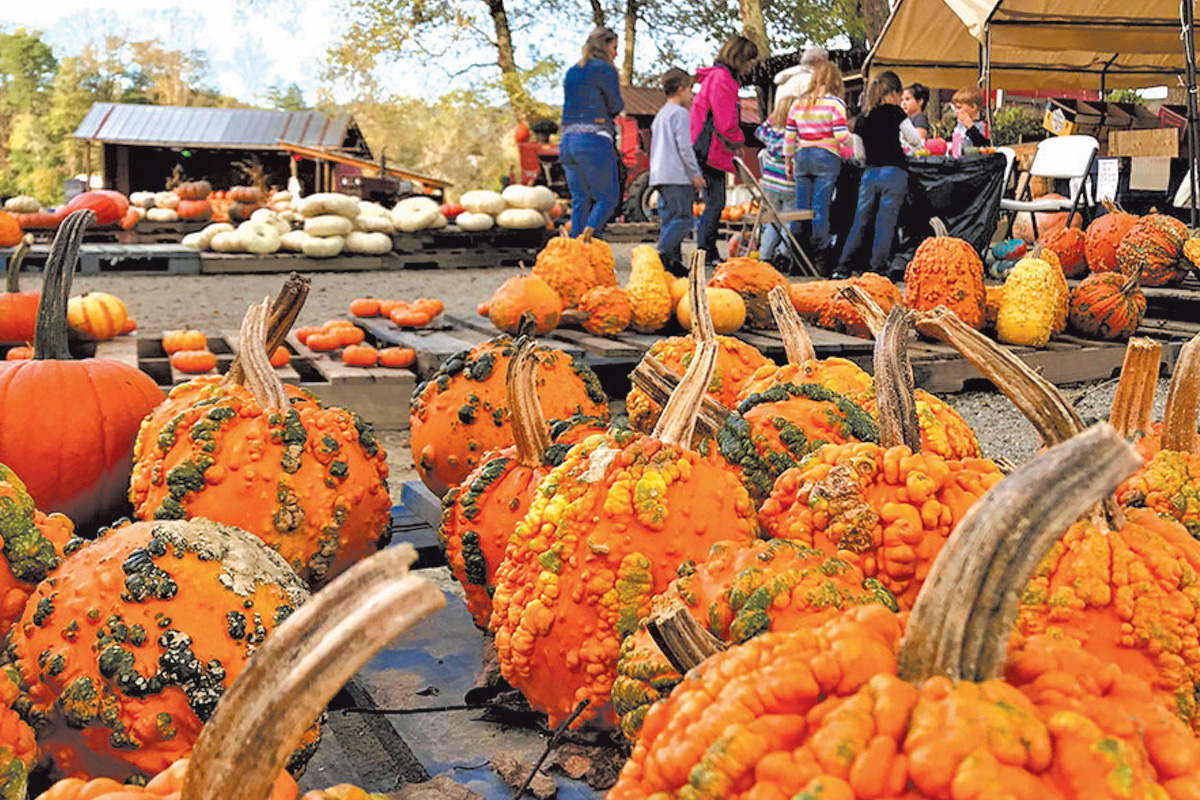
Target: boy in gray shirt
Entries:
(673, 169)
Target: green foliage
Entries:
(1013, 122)
(1126, 96)
(289, 99)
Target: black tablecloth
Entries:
(963, 192)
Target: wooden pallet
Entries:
(247, 263)
(159, 259)
(379, 395)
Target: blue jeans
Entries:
(710, 220)
(772, 237)
(590, 162)
(880, 196)
(675, 213)
(816, 173)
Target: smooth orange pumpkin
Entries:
(324, 342)
(10, 230)
(98, 314)
(18, 310)
(364, 307)
(525, 293)
(408, 317)
(194, 361)
(19, 353)
(397, 357)
(280, 357)
(185, 339)
(360, 355)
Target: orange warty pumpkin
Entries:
(946, 272)
(1153, 249)
(1070, 246)
(753, 280)
(608, 308)
(34, 545)
(1104, 236)
(523, 294)
(460, 413)
(88, 411)
(1107, 305)
(126, 650)
(317, 490)
(565, 264)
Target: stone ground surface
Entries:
(217, 302)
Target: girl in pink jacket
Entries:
(716, 132)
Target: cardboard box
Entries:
(1160, 142)
(1066, 116)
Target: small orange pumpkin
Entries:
(349, 336)
(484, 308)
(337, 323)
(364, 307)
(397, 357)
(280, 357)
(302, 333)
(10, 230)
(324, 341)
(193, 361)
(19, 353)
(130, 326)
(409, 317)
(430, 305)
(360, 355)
(98, 314)
(387, 306)
(185, 339)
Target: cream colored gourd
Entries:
(415, 213)
(142, 199)
(328, 225)
(371, 244)
(481, 201)
(293, 241)
(322, 246)
(520, 218)
(316, 205)
(272, 218)
(539, 198)
(1035, 303)
(258, 237)
(368, 223)
(22, 204)
(202, 239)
(157, 214)
(726, 306)
(470, 221)
(166, 200)
(226, 242)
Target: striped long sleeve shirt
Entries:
(820, 124)
(774, 171)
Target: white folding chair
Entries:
(1061, 157)
(1010, 158)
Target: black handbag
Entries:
(703, 143)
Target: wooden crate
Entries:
(160, 259)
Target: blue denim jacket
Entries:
(592, 96)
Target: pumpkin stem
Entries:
(1038, 400)
(299, 668)
(962, 618)
(261, 378)
(796, 342)
(50, 335)
(867, 308)
(1183, 398)
(682, 639)
(1133, 402)
(939, 227)
(677, 423)
(653, 378)
(586, 236)
(528, 422)
(12, 274)
(284, 311)
(898, 422)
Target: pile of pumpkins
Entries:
(516, 207)
(854, 653)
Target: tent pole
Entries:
(1189, 50)
(987, 76)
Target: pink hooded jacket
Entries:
(718, 92)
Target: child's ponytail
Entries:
(881, 86)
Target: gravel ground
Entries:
(216, 302)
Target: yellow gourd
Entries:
(649, 290)
(1035, 302)
(726, 306)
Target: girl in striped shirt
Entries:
(779, 190)
(815, 131)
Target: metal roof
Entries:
(232, 128)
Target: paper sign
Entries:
(1106, 178)
(1149, 173)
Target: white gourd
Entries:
(328, 225)
(543, 198)
(481, 201)
(162, 215)
(368, 222)
(281, 197)
(322, 246)
(517, 196)
(474, 222)
(371, 244)
(143, 199)
(166, 200)
(271, 218)
(329, 203)
(293, 241)
(194, 240)
(226, 242)
(520, 218)
(258, 237)
(415, 213)
(368, 209)
(22, 204)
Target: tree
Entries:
(289, 99)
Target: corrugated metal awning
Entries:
(231, 128)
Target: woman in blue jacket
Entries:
(591, 100)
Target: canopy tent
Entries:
(1034, 44)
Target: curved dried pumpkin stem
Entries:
(284, 311)
(528, 422)
(1038, 400)
(898, 421)
(682, 639)
(1133, 402)
(299, 668)
(939, 227)
(12, 272)
(586, 236)
(658, 382)
(796, 342)
(50, 335)
(866, 307)
(964, 614)
(1183, 399)
(678, 420)
(260, 377)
